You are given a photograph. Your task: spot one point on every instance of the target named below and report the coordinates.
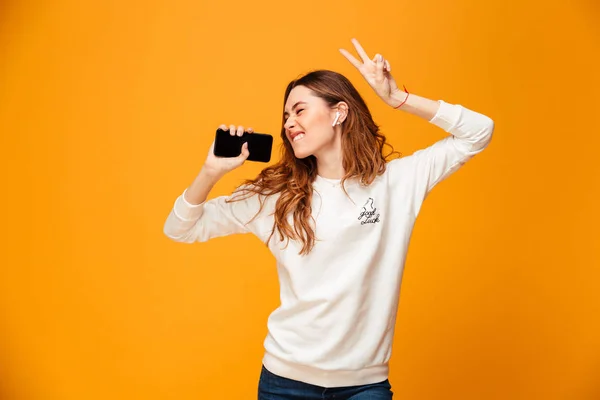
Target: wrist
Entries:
(399, 98)
(210, 175)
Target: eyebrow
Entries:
(294, 106)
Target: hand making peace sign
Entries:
(376, 71)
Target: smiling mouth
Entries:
(297, 137)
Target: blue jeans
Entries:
(275, 387)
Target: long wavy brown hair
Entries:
(291, 177)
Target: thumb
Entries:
(245, 153)
(379, 62)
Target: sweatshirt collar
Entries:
(332, 183)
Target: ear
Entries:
(342, 108)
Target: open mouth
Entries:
(296, 136)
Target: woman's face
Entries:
(308, 123)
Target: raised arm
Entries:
(470, 131)
(194, 218)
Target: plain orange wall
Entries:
(107, 110)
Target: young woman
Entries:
(337, 216)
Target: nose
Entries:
(290, 123)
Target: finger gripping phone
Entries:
(260, 145)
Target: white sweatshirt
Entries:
(336, 320)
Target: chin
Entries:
(301, 154)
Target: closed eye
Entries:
(297, 113)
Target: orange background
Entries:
(107, 110)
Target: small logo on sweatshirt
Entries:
(369, 214)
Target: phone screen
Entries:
(260, 145)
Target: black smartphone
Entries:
(260, 145)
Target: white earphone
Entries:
(337, 116)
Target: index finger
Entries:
(351, 58)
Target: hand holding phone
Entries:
(228, 143)
(233, 146)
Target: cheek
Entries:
(316, 122)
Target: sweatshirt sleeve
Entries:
(470, 133)
(189, 223)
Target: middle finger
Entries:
(361, 52)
